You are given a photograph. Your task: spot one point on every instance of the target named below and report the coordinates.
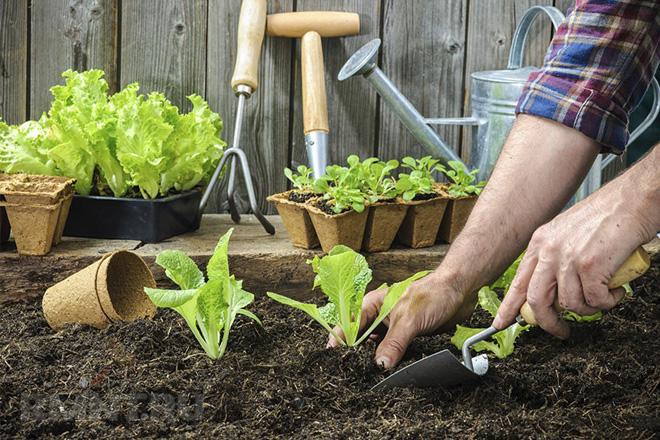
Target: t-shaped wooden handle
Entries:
(251, 27)
(325, 23)
(635, 266)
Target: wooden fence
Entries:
(180, 47)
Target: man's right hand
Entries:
(429, 305)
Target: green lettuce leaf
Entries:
(181, 269)
(23, 149)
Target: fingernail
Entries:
(383, 362)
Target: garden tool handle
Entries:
(635, 266)
(251, 28)
(325, 23)
(315, 106)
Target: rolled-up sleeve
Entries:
(598, 66)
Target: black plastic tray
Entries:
(150, 221)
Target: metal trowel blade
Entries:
(441, 369)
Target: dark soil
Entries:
(300, 197)
(149, 379)
(326, 207)
(427, 196)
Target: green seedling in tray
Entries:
(343, 276)
(462, 182)
(208, 307)
(303, 180)
(376, 179)
(341, 187)
(419, 180)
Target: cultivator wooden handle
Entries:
(251, 27)
(325, 23)
(635, 266)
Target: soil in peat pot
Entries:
(300, 197)
(149, 379)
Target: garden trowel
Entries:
(443, 369)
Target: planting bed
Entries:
(149, 378)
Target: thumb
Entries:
(394, 344)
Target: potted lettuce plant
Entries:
(426, 201)
(339, 216)
(138, 162)
(385, 214)
(463, 192)
(290, 206)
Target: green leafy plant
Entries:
(420, 179)
(376, 180)
(341, 187)
(463, 182)
(343, 276)
(208, 307)
(302, 180)
(503, 342)
(127, 143)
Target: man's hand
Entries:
(427, 306)
(571, 259)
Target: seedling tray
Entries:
(150, 221)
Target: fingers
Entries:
(394, 344)
(517, 294)
(569, 291)
(371, 305)
(598, 296)
(541, 297)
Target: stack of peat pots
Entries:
(421, 222)
(37, 208)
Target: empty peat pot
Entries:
(112, 289)
(296, 220)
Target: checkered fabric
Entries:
(597, 68)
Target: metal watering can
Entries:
(494, 97)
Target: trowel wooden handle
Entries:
(637, 263)
(315, 106)
(251, 27)
(325, 23)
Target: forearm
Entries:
(539, 169)
(636, 195)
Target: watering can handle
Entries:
(522, 30)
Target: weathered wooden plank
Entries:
(491, 26)
(265, 136)
(427, 66)
(263, 261)
(163, 47)
(70, 34)
(352, 103)
(13, 60)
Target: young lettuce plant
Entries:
(303, 180)
(503, 342)
(420, 180)
(343, 276)
(463, 182)
(341, 187)
(376, 179)
(208, 307)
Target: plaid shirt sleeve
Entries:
(598, 66)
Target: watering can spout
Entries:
(363, 62)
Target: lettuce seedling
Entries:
(302, 180)
(462, 181)
(420, 180)
(503, 342)
(343, 276)
(208, 307)
(341, 187)
(376, 179)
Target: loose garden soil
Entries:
(149, 379)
